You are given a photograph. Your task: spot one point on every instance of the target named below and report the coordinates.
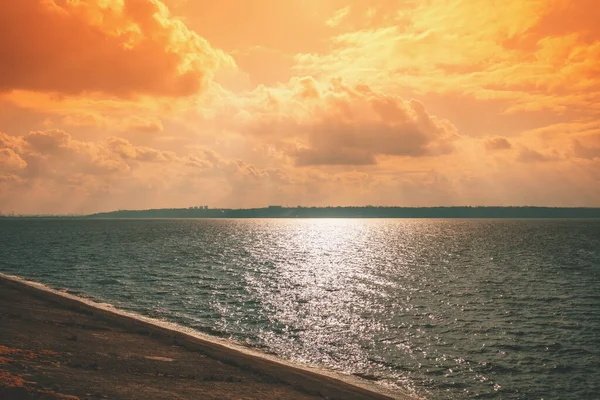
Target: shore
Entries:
(56, 346)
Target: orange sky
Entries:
(114, 104)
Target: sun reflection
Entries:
(325, 290)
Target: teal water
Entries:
(452, 309)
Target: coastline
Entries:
(367, 212)
(266, 374)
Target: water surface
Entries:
(452, 309)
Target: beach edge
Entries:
(311, 380)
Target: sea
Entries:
(443, 308)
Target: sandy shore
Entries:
(57, 346)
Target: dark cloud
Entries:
(497, 143)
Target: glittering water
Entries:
(494, 309)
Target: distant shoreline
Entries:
(454, 212)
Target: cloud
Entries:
(339, 124)
(63, 173)
(338, 17)
(583, 151)
(342, 156)
(253, 60)
(396, 102)
(127, 151)
(128, 123)
(59, 173)
(10, 161)
(117, 47)
(578, 141)
(531, 55)
(528, 155)
(55, 155)
(497, 143)
(50, 142)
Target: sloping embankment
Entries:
(149, 334)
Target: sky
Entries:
(135, 104)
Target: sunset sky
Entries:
(131, 104)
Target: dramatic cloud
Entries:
(528, 54)
(348, 125)
(118, 47)
(55, 154)
(109, 104)
(55, 165)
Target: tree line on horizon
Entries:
(345, 212)
(360, 212)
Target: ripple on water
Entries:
(496, 309)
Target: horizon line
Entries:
(280, 207)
